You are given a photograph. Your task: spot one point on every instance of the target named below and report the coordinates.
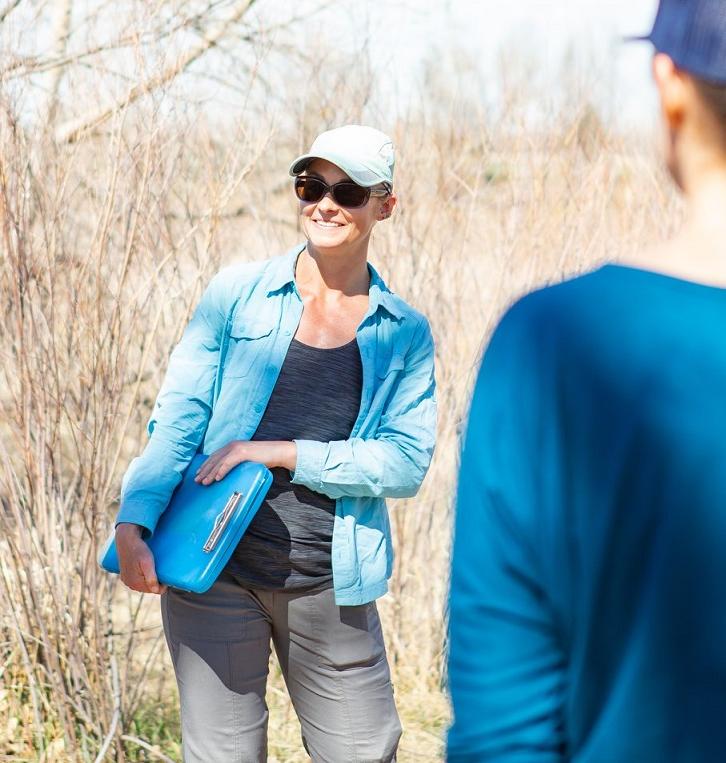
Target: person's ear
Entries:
(671, 86)
(386, 208)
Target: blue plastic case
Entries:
(201, 526)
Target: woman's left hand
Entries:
(271, 453)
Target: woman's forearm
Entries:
(271, 453)
(283, 454)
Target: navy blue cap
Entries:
(693, 34)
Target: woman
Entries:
(309, 364)
(589, 565)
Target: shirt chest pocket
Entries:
(389, 371)
(249, 346)
(390, 368)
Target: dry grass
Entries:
(106, 245)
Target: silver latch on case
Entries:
(222, 521)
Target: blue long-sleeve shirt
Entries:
(588, 591)
(219, 381)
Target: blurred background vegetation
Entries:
(142, 146)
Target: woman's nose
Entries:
(326, 204)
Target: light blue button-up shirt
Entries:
(220, 378)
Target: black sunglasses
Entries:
(345, 194)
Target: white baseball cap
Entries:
(365, 154)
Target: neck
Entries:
(707, 204)
(697, 253)
(344, 272)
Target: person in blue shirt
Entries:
(308, 364)
(588, 581)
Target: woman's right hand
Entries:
(136, 560)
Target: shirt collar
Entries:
(283, 271)
(379, 295)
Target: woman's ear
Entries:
(386, 208)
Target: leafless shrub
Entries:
(110, 225)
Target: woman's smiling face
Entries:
(328, 226)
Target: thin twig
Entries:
(72, 130)
(153, 751)
(116, 712)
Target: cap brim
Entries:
(359, 175)
(300, 163)
(636, 38)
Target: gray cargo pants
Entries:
(332, 658)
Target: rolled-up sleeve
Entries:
(395, 460)
(180, 415)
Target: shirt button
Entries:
(287, 332)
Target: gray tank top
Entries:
(317, 397)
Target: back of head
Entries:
(690, 70)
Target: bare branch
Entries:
(23, 66)
(74, 129)
(8, 9)
(153, 751)
(60, 39)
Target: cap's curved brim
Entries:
(357, 173)
(636, 38)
